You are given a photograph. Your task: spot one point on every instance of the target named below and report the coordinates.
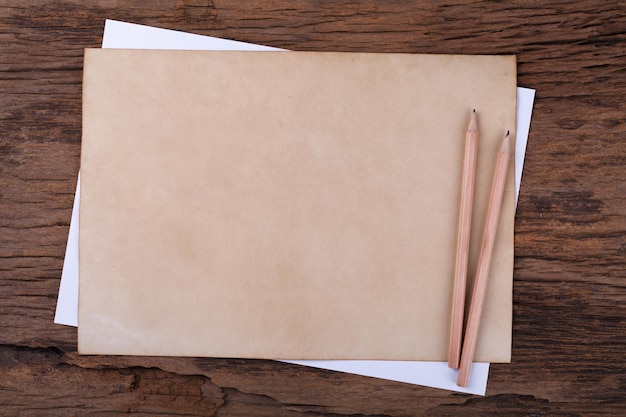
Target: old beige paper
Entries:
(285, 205)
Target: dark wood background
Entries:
(569, 328)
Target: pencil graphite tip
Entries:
(473, 124)
(506, 143)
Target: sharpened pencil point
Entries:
(506, 143)
(473, 124)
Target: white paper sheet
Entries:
(67, 302)
(525, 101)
(432, 374)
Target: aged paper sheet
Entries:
(296, 209)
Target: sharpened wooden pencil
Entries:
(484, 261)
(463, 240)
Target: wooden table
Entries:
(569, 328)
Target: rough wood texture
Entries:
(569, 333)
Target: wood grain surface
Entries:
(569, 329)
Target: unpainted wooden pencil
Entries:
(484, 261)
(463, 240)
